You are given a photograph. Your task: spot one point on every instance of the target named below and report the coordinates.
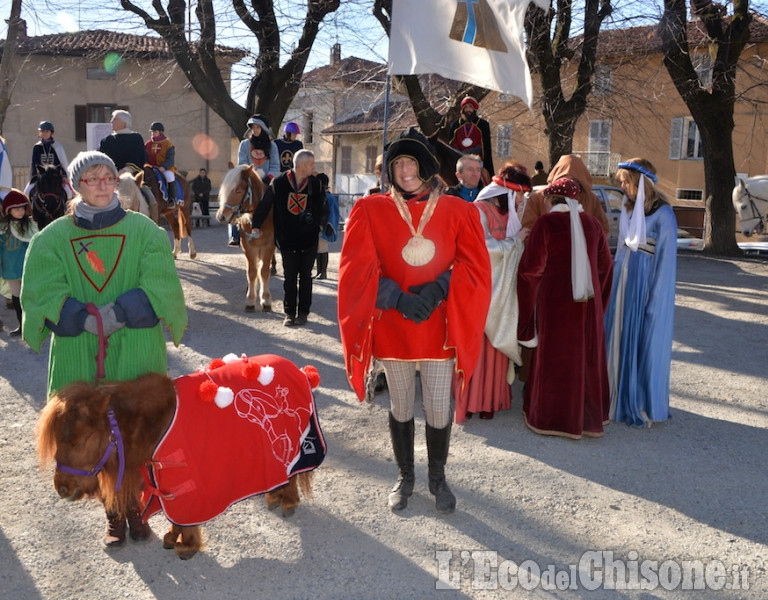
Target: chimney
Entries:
(336, 54)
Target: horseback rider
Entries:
(48, 151)
(162, 156)
(288, 146)
(471, 134)
(124, 146)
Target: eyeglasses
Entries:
(94, 181)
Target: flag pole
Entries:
(384, 133)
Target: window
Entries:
(684, 139)
(603, 85)
(371, 152)
(92, 113)
(702, 64)
(346, 159)
(681, 194)
(504, 141)
(309, 128)
(599, 150)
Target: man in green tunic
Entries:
(120, 262)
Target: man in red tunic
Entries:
(414, 289)
(471, 134)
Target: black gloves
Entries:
(414, 307)
(431, 291)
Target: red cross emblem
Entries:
(297, 203)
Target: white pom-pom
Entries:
(230, 358)
(267, 375)
(224, 397)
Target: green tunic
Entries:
(97, 266)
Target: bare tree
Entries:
(7, 74)
(430, 119)
(546, 56)
(272, 88)
(711, 109)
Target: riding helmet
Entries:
(45, 126)
(157, 126)
(292, 127)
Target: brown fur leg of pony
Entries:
(186, 541)
(290, 498)
(274, 498)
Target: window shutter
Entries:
(81, 114)
(676, 138)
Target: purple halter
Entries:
(115, 442)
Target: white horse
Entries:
(130, 195)
(750, 198)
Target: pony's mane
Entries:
(231, 180)
(130, 195)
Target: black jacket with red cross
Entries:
(300, 210)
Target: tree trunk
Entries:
(16, 27)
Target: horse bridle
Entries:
(755, 212)
(40, 205)
(235, 208)
(115, 443)
(115, 438)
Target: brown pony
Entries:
(178, 217)
(79, 427)
(239, 194)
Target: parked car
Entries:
(687, 241)
(611, 198)
(754, 248)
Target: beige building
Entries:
(634, 110)
(74, 79)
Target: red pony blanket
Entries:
(242, 427)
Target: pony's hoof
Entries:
(185, 554)
(272, 505)
(169, 540)
(288, 512)
(193, 255)
(250, 308)
(266, 308)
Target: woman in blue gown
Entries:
(640, 317)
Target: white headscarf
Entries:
(513, 221)
(632, 230)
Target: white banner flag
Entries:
(474, 41)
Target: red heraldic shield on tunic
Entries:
(244, 443)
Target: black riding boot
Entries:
(322, 265)
(402, 444)
(171, 193)
(438, 442)
(17, 307)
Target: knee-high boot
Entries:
(438, 442)
(402, 445)
(322, 265)
(171, 185)
(17, 307)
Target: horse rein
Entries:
(101, 354)
(115, 443)
(755, 212)
(236, 208)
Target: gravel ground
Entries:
(689, 493)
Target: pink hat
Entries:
(565, 186)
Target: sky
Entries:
(364, 39)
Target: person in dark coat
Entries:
(201, 189)
(124, 146)
(300, 214)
